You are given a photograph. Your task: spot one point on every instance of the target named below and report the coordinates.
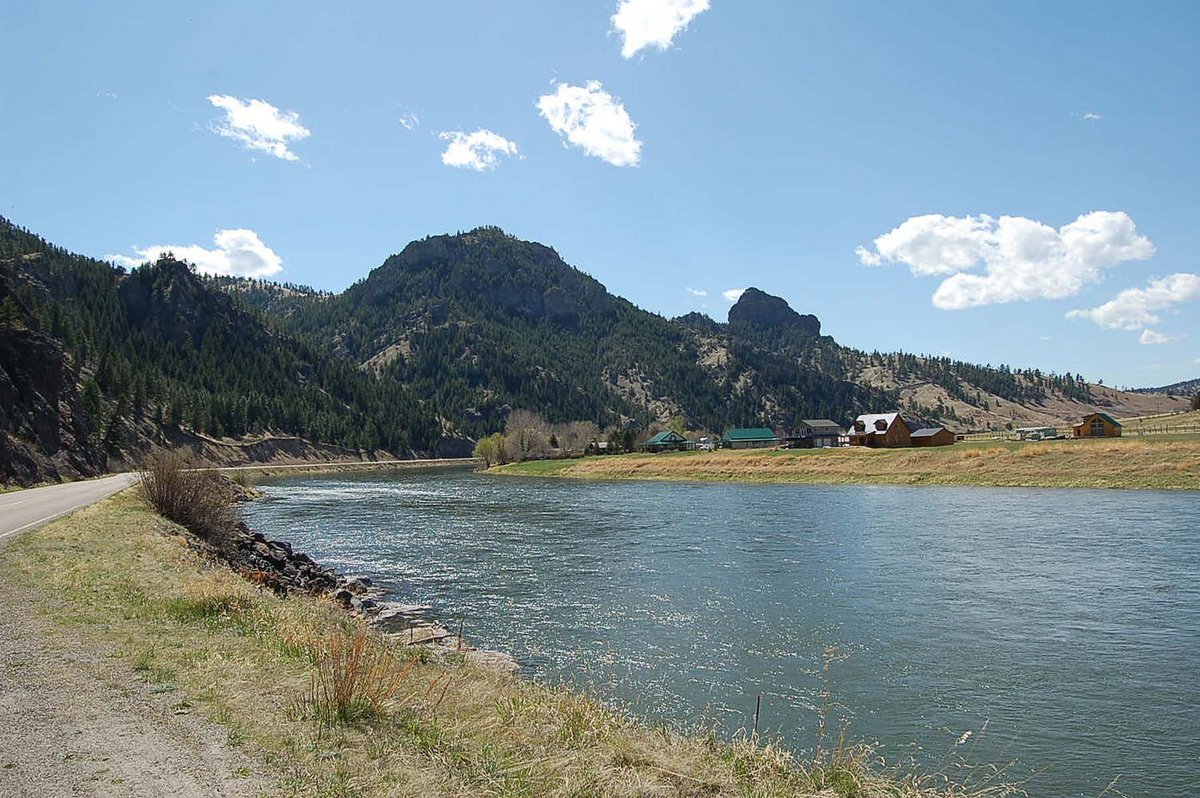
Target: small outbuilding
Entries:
(750, 438)
(933, 436)
(1036, 433)
(666, 441)
(1097, 425)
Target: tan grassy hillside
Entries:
(1057, 410)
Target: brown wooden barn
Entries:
(897, 431)
(1097, 425)
(933, 436)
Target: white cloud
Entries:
(1138, 308)
(1092, 116)
(696, 291)
(1022, 259)
(258, 126)
(592, 120)
(480, 150)
(653, 23)
(238, 252)
(733, 294)
(410, 121)
(1152, 337)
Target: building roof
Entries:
(914, 424)
(819, 422)
(749, 434)
(665, 437)
(1104, 416)
(928, 432)
(869, 419)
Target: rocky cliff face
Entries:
(45, 433)
(763, 309)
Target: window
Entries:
(1097, 428)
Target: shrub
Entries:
(354, 678)
(196, 500)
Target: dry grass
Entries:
(191, 498)
(355, 677)
(1115, 463)
(334, 711)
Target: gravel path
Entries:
(75, 721)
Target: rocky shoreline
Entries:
(274, 565)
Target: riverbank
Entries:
(1159, 464)
(305, 469)
(124, 582)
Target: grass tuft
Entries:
(355, 677)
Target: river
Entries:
(1051, 633)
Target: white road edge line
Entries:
(50, 518)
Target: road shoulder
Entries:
(76, 720)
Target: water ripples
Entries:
(1068, 622)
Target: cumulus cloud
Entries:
(733, 294)
(696, 291)
(410, 121)
(480, 150)
(593, 120)
(1152, 337)
(237, 252)
(1139, 308)
(1092, 116)
(653, 23)
(258, 126)
(1021, 259)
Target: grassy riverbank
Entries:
(274, 672)
(342, 466)
(1152, 463)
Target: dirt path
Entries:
(79, 722)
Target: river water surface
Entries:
(1061, 628)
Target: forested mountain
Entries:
(97, 364)
(434, 348)
(1185, 388)
(480, 323)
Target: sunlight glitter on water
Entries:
(1067, 621)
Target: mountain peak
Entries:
(758, 307)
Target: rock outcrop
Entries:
(759, 307)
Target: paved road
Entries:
(23, 510)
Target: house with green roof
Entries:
(666, 441)
(749, 438)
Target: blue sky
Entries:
(1006, 182)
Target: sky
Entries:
(999, 182)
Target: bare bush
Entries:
(527, 435)
(196, 500)
(575, 437)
